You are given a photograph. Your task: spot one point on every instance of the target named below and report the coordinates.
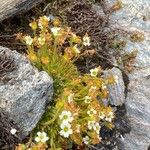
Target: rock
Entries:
(24, 91)
(116, 91)
(138, 111)
(10, 8)
(134, 16)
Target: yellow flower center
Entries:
(66, 129)
(65, 117)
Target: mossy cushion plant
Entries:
(77, 113)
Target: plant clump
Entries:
(83, 18)
(129, 61)
(77, 112)
(137, 37)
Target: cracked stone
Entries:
(117, 90)
(24, 96)
(134, 16)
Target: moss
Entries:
(137, 37)
(129, 60)
(118, 44)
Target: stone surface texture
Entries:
(10, 8)
(24, 92)
(117, 90)
(135, 16)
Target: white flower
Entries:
(13, 131)
(103, 87)
(78, 128)
(86, 40)
(45, 19)
(76, 50)
(92, 89)
(116, 78)
(55, 30)
(108, 119)
(94, 72)
(28, 40)
(70, 98)
(41, 137)
(40, 25)
(96, 127)
(99, 138)
(109, 116)
(41, 40)
(87, 99)
(66, 116)
(91, 112)
(64, 124)
(101, 115)
(91, 125)
(66, 130)
(86, 140)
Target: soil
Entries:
(20, 23)
(7, 140)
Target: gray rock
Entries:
(138, 112)
(116, 91)
(10, 8)
(24, 91)
(135, 16)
